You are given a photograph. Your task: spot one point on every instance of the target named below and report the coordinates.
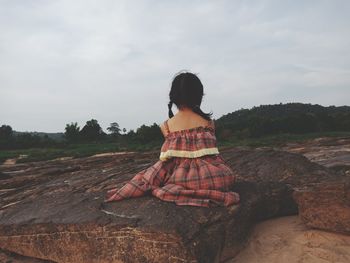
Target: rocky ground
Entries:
(330, 152)
(52, 211)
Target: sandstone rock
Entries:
(325, 205)
(53, 210)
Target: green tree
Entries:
(146, 134)
(6, 136)
(72, 132)
(131, 134)
(92, 131)
(114, 129)
(6, 132)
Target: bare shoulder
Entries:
(162, 125)
(162, 129)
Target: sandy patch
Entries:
(10, 161)
(287, 239)
(13, 161)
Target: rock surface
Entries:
(331, 152)
(325, 205)
(53, 210)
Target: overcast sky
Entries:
(71, 61)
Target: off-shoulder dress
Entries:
(190, 171)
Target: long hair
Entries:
(187, 90)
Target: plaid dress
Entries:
(190, 171)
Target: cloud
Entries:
(65, 61)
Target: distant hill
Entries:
(284, 118)
(58, 136)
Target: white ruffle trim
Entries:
(188, 154)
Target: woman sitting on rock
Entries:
(190, 170)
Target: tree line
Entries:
(91, 132)
(293, 118)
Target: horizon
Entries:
(127, 130)
(112, 61)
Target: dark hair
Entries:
(187, 90)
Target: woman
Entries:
(190, 170)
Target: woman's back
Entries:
(184, 120)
